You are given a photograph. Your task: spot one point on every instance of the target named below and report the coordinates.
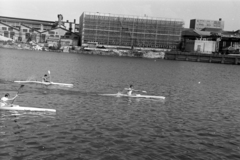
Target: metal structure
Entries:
(130, 31)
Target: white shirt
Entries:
(3, 101)
(129, 91)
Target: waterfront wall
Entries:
(207, 58)
(127, 53)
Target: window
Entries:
(25, 30)
(10, 29)
(6, 34)
(4, 28)
(51, 35)
(56, 35)
(51, 32)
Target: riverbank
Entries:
(109, 52)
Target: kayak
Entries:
(133, 96)
(45, 83)
(19, 108)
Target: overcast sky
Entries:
(228, 10)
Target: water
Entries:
(200, 118)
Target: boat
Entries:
(45, 83)
(15, 107)
(134, 96)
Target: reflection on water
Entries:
(196, 121)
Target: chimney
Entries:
(75, 21)
(70, 27)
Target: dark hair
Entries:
(7, 94)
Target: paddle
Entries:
(17, 93)
(49, 75)
(140, 91)
(137, 90)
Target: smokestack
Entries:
(74, 20)
(70, 27)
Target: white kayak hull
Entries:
(19, 108)
(45, 83)
(134, 96)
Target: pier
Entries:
(207, 58)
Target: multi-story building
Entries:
(200, 24)
(130, 31)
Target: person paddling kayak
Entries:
(129, 90)
(5, 99)
(46, 78)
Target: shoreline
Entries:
(110, 52)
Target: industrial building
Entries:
(33, 23)
(208, 36)
(111, 30)
(23, 30)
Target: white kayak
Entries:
(45, 83)
(19, 108)
(134, 96)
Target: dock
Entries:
(199, 57)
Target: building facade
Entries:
(200, 24)
(129, 31)
(59, 35)
(8, 31)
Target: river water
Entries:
(200, 118)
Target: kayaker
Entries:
(46, 78)
(5, 99)
(130, 89)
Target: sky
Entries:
(227, 10)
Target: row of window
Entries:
(130, 25)
(24, 30)
(153, 41)
(11, 29)
(147, 44)
(5, 29)
(130, 20)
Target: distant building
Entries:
(8, 31)
(27, 34)
(207, 36)
(33, 23)
(200, 24)
(39, 30)
(123, 31)
(59, 35)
